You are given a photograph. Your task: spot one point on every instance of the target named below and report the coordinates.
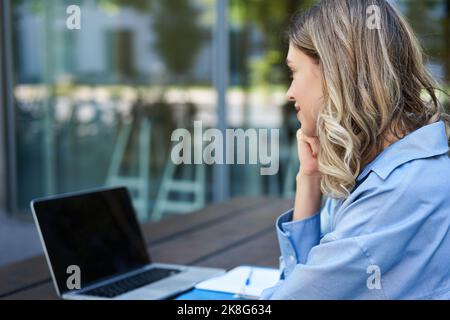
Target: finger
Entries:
(299, 134)
(301, 137)
(300, 142)
(313, 143)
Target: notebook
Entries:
(243, 281)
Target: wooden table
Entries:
(241, 231)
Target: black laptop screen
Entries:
(98, 232)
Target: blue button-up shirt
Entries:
(390, 239)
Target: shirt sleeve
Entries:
(296, 238)
(319, 267)
(293, 249)
(336, 269)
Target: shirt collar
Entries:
(428, 141)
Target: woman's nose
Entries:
(289, 95)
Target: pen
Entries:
(247, 283)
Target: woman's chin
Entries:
(307, 130)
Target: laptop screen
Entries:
(97, 232)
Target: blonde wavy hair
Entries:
(375, 81)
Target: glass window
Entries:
(96, 106)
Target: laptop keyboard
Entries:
(139, 280)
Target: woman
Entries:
(373, 144)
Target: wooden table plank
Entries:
(177, 225)
(218, 236)
(213, 239)
(40, 292)
(261, 250)
(23, 274)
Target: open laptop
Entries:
(95, 249)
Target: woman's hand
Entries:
(308, 150)
(308, 196)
